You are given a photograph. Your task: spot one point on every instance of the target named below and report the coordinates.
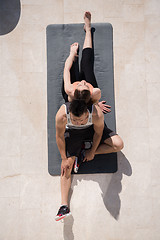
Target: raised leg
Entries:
(86, 69)
(87, 28)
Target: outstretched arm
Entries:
(68, 87)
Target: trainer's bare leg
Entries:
(66, 183)
(87, 28)
(112, 144)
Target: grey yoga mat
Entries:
(59, 39)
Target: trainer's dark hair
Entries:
(78, 107)
(84, 95)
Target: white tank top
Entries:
(70, 125)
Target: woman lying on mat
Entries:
(74, 86)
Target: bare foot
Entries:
(87, 21)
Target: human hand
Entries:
(105, 108)
(74, 49)
(89, 155)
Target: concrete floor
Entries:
(120, 206)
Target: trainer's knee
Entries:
(118, 144)
(67, 173)
(68, 170)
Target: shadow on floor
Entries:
(110, 195)
(9, 15)
(67, 230)
(110, 185)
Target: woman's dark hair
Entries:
(78, 107)
(84, 95)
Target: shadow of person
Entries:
(68, 224)
(110, 195)
(67, 229)
(110, 184)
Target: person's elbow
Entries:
(68, 91)
(96, 94)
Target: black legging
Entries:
(86, 71)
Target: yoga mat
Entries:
(59, 39)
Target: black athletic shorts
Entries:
(75, 138)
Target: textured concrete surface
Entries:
(121, 206)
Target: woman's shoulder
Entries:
(96, 94)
